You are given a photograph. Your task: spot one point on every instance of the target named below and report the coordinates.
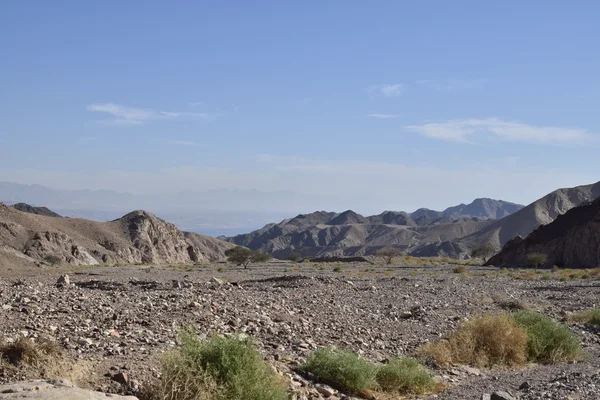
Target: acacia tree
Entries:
(484, 252)
(244, 256)
(388, 254)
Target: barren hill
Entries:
(138, 237)
(35, 210)
(351, 234)
(572, 240)
(522, 222)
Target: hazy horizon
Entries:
(289, 108)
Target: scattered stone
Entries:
(63, 281)
(502, 395)
(53, 389)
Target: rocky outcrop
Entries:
(53, 389)
(526, 220)
(138, 237)
(572, 240)
(35, 210)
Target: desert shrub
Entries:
(546, 276)
(484, 341)
(513, 305)
(591, 317)
(295, 256)
(244, 256)
(484, 252)
(40, 359)
(338, 269)
(536, 260)
(217, 368)
(343, 370)
(459, 270)
(549, 341)
(388, 254)
(404, 376)
(53, 259)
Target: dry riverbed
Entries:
(119, 320)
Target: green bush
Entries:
(460, 269)
(217, 368)
(404, 376)
(484, 341)
(549, 342)
(536, 260)
(343, 370)
(591, 317)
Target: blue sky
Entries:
(349, 104)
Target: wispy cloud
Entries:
(465, 130)
(123, 115)
(386, 90)
(383, 116)
(184, 143)
(452, 84)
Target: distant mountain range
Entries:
(350, 234)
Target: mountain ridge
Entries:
(350, 234)
(137, 237)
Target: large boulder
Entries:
(53, 389)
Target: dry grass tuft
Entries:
(42, 359)
(590, 317)
(484, 341)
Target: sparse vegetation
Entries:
(484, 341)
(216, 368)
(536, 260)
(461, 269)
(590, 317)
(295, 256)
(40, 359)
(244, 256)
(404, 376)
(351, 374)
(338, 269)
(549, 342)
(506, 339)
(53, 259)
(341, 369)
(388, 254)
(483, 252)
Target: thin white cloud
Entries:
(184, 143)
(452, 85)
(465, 130)
(383, 116)
(123, 115)
(386, 90)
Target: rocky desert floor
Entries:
(118, 321)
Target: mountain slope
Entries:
(35, 210)
(540, 212)
(521, 223)
(351, 234)
(572, 240)
(138, 237)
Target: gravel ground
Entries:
(120, 320)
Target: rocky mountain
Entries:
(482, 208)
(35, 210)
(522, 222)
(138, 237)
(572, 240)
(351, 234)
